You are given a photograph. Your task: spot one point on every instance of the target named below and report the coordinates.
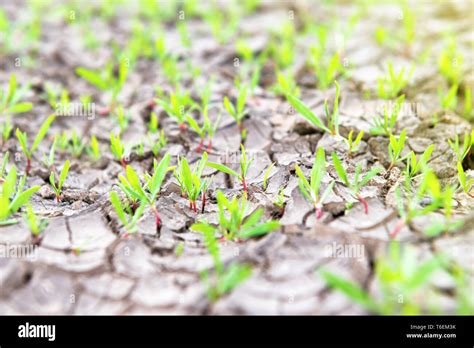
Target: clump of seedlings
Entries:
(356, 184)
(23, 140)
(127, 214)
(225, 278)
(118, 149)
(146, 193)
(234, 222)
(12, 196)
(237, 110)
(326, 70)
(401, 279)
(353, 144)
(35, 224)
(93, 150)
(395, 148)
(178, 105)
(414, 166)
(106, 80)
(332, 118)
(311, 189)
(57, 188)
(244, 167)
(10, 100)
(386, 126)
(191, 182)
(392, 84)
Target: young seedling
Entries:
(311, 189)
(332, 118)
(147, 193)
(157, 144)
(62, 177)
(266, 175)
(118, 149)
(122, 118)
(35, 224)
(286, 84)
(127, 216)
(326, 70)
(48, 160)
(387, 125)
(395, 149)
(12, 196)
(353, 145)
(449, 101)
(462, 151)
(466, 184)
(153, 123)
(450, 64)
(225, 278)
(280, 201)
(238, 111)
(191, 182)
(178, 105)
(414, 166)
(22, 138)
(233, 223)
(398, 275)
(357, 183)
(106, 80)
(244, 166)
(390, 85)
(10, 99)
(75, 144)
(93, 149)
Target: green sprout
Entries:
(75, 145)
(462, 151)
(191, 182)
(312, 188)
(122, 118)
(127, 216)
(118, 149)
(450, 63)
(22, 138)
(136, 192)
(413, 166)
(387, 125)
(356, 184)
(244, 166)
(332, 118)
(280, 201)
(62, 177)
(178, 105)
(106, 80)
(238, 111)
(466, 184)
(353, 145)
(326, 70)
(395, 148)
(390, 85)
(400, 275)
(48, 160)
(225, 278)
(286, 84)
(36, 225)
(449, 101)
(153, 123)
(10, 99)
(12, 196)
(93, 149)
(157, 144)
(266, 175)
(57, 100)
(233, 223)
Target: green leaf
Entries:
(260, 229)
(318, 171)
(306, 113)
(94, 78)
(340, 169)
(20, 107)
(159, 174)
(115, 200)
(22, 198)
(42, 132)
(223, 168)
(63, 175)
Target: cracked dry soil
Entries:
(84, 266)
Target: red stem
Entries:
(397, 228)
(244, 185)
(182, 127)
(157, 220)
(364, 202)
(123, 162)
(199, 147)
(319, 213)
(195, 207)
(209, 145)
(203, 201)
(104, 111)
(28, 166)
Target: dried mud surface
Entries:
(141, 274)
